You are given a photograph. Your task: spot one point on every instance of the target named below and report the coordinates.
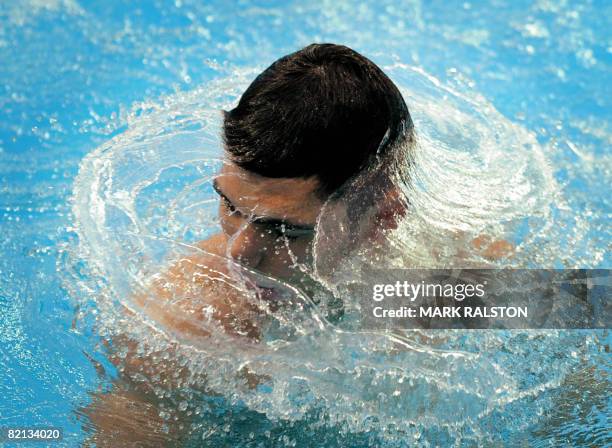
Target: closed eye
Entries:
(279, 227)
(233, 210)
(231, 207)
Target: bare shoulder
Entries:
(197, 289)
(492, 249)
(216, 244)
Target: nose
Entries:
(247, 246)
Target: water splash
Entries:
(144, 199)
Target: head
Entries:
(304, 127)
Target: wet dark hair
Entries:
(323, 111)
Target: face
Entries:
(269, 223)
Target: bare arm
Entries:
(181, 298)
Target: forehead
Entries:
(292, 199)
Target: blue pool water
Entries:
(75, 74)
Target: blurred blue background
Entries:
(70, 71)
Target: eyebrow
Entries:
(264, 220)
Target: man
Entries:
(307, 125)
(303, 132)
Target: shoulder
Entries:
(196, 293)
(216, 244)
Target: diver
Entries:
(305, 126)
(302, 131)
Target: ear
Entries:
(392, 208)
